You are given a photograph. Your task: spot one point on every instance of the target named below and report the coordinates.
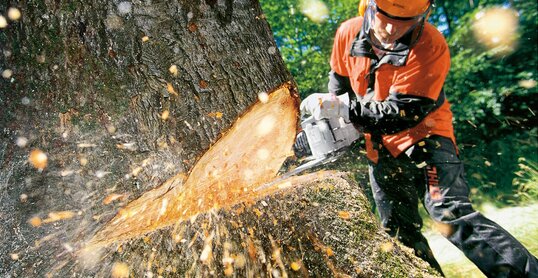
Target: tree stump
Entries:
(318, 225)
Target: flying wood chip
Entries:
(217, 179)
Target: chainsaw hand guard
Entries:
(326, 106)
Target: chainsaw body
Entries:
(327, 136)
(327, 139)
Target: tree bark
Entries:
(108, 100)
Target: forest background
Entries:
(491, 84)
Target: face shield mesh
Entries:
(383, 30)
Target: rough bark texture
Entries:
(121, 96)
(89, 90)
(89, 62)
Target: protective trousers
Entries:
(432, 172)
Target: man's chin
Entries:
(384, 40)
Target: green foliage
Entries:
(494, 115)
(494, 168)
(306, 45)
(526, 180)
(493, 96)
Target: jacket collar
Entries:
(397, 57)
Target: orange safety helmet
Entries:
(404, 8)
(399, 8)
(385, 21)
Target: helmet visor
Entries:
(384, 29)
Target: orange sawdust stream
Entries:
(248, 155)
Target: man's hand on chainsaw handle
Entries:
(325, 106)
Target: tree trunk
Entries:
(107, 105)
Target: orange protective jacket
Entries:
(399, 96)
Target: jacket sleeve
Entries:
(339, 84)
(414, 91)
(398, 112)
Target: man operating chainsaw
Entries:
(393, 64)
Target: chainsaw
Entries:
(320, 142)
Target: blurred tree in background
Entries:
(492, 82)
(306, 42)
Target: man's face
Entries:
(387, 30)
